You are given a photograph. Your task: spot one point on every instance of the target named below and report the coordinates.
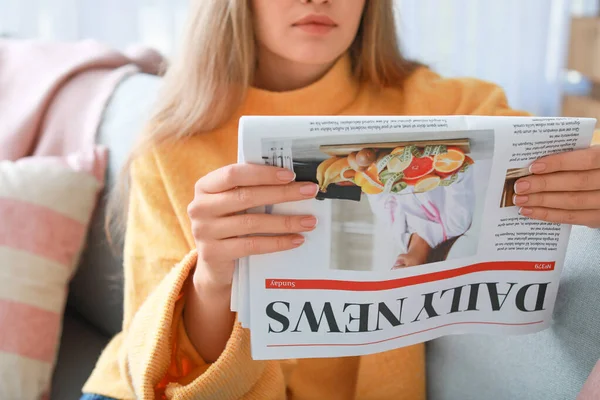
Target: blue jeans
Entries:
(88, 396)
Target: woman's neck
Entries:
(277, 74)
(308, 91)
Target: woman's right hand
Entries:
(223, 235)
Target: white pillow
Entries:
(45, 208)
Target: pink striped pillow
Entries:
(46, 205)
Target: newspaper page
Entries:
(418, 236)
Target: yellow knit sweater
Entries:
(153, 351)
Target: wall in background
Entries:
(119, 23)
(518, 44)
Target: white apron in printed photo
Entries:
(436, 216)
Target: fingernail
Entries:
(309, 189)
(525, 211)
(298, 241)
(520, 200)
(537, 168)
(286, 176)
(522, 186)
(308, 222)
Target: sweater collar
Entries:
(331, 94)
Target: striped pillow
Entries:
(45, 207)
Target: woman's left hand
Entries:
(564, 188)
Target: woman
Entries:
(179, 339)
(411, 225)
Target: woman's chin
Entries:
(314, 54)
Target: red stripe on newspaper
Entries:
(402, 336)
(368, 286)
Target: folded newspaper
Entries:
(418, 236)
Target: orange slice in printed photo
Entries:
(396, 165)
(418, 168)
(449, 162)
(427, 183)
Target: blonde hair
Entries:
(208, 80)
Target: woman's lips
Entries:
(316, 24)
(318, 29)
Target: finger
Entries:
(561, 200)
(244, 198)
(236, 248)
(235, 175)
(559, 182)
(400, 262)
(589, 218)
(252, 224)
(577, 160)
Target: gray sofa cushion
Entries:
(80, 347)
(548, 365)
(96, 291)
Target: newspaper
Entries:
(418, 236)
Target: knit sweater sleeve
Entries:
(158, 261)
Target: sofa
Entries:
(552, 364)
